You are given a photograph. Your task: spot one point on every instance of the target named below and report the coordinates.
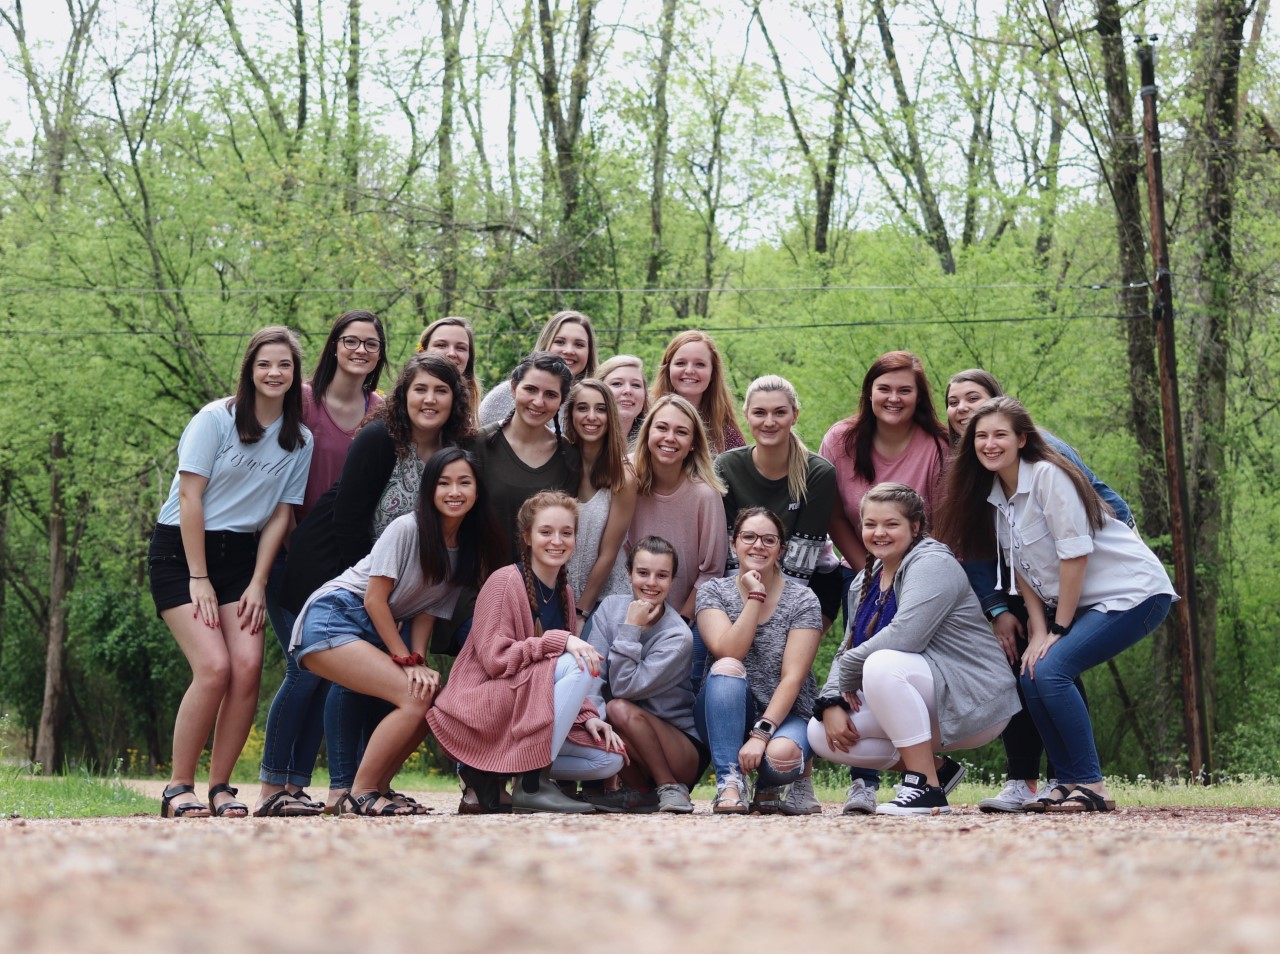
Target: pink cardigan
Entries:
(496, 713)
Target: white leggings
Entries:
(897, 710)
(574, 762)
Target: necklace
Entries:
(551, 592)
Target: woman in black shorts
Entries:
(242, 463)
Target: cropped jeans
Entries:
(1057, 705)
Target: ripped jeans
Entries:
(725, 712)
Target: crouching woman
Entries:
(928, 678)
(517, 700)
(349, 630)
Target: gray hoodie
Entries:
(939, 618)
(649, 667)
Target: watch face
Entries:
(764, 725)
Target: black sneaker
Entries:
(624, 799)
(916, 797)
(950, 774)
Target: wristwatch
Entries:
(765, 726)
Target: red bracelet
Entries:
(413, 659)
(758, 597)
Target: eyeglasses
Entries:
(749, 537)
(352, 343)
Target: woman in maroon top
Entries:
(334, 402)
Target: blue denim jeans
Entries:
(725, 712)
(1055, 702)
(870, 777)
(699, 665)
(349, 720)
(295, 722)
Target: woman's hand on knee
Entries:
(601, 731)
(423, 681)
(584, 653)
(839, 728)
(750, 754)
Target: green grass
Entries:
(67, 796)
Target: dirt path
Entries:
(1137, 880)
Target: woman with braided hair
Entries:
(517, 698)
(918, 672)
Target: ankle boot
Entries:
(547, 797)
(488, 789)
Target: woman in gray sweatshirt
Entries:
(646, 650)
(920, 671)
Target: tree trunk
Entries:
(351, 149)
(49, 734)
(1218, 43)
(445, 175)
(1126, 168)
(823, 173)
(657, 187)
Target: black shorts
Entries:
(827, 588)
(704, 756)
(229, 556)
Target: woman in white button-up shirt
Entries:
(1092, 587)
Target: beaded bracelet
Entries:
(413, 659)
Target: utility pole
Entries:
(1194, 715)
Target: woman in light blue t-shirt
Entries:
(242, 463)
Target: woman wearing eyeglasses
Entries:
(334, 402)
(429, 408)
(762, 630)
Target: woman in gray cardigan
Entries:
(920, 671)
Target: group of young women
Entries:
(632, 592)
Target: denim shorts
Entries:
(229, 561)
(335, 619)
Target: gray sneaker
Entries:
(860, 799)
(800, 799)
(1012, 798)
(674, 798)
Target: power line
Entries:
(645, 329)
(511, 292)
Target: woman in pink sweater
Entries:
(516, 701)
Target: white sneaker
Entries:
(860, 799)
(800, 799)
(1012, 798)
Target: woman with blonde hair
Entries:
(624, 374)
(606, 496)
(692, 368)
(570, 336)
(679, 496)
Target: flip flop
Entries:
(1082, 800)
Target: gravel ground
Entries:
(1203, 880)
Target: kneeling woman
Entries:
(517, 700)
(349, 630)
(925, 674)
(646, 650)
(762, 630)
